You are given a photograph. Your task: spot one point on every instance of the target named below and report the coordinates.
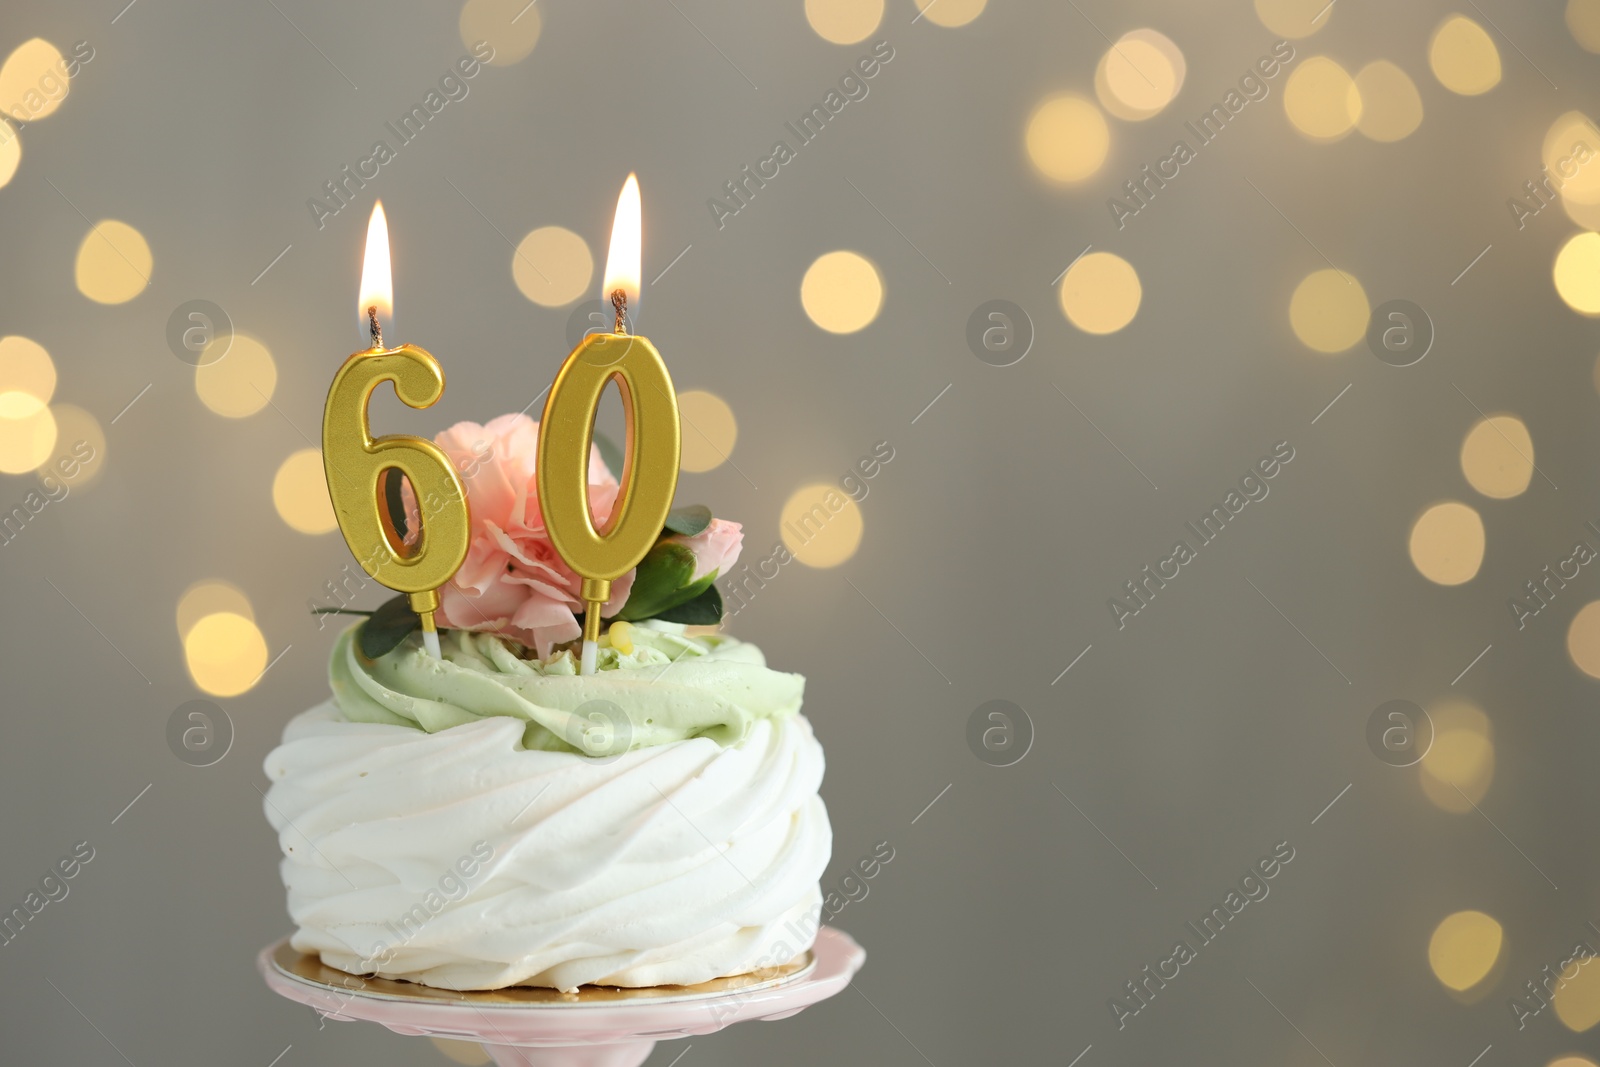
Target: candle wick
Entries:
(619, 301)
(372, 323)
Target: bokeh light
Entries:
(1321, 99)
(709, 430)
(210, 597)
(821, 525)
(1463, 57)
(1577, 273)
(950, 13)
(25, 367)
(79, 454)
(1139, 75)
(510, 27)
(10, 151)
(1464, 948)
(552, 266)
(226, 653)
(1583, 639)
(1497, 456)
(241, 382)
(1577, 1000)
(33, 81)
(114, 263)
(1294, 18)
(27, 432)
(300, 493)
(1067, 138)
(467, 1053)
(1329, 310)
(844, 21)
(1100, 293)
(1458, 767)
(1391, 107)
(1447, 543)
(1583, 19)
(1571, 1061)
(841, 292)
(1571, 156)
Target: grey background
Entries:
(1195, 739)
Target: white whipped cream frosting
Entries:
(668, 865)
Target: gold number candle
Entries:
(566, 434)
(357, 464)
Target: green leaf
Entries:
(610, 453)
(689, 520)
(661, 576)
(391, 624)
(703, 610)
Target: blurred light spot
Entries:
(225, 653)
(10, 151)
(841, 292)
(510, 27)
(709, 430)
(25, 367)
(844, 21)
(1463, 57)
(1101, 293)
(1571, 156)
(27, 432)
(1571, 1061)
(1390, 105)
(79, 454)
(1447, 543)
(821, 525)
(33, 81)
(1459, 765)
(1577, 273)
(1294, 18)
(1322, 100)
(1464, 948)
(114, 263)
(1329, 310)
(1577, 1001)
(1067, 138)
(300, 493)
(552, 266)
(241, 382)
(1583, 639)
(468, 1053)
(210, 597)
(1497, 456)
(1139, 75)
(951, 12)
(1583, 19)
(1585, 215)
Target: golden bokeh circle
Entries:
(1577, 273)
(225, 653)
(210, 597)
(1577, 998)
(10, 151)
(951, 13)
(1583, 19)
(510, 27)
(1294, 18)
(1571, 1061)
(79, 454)
(1571, 156)
(552, 266)
(241, 382)
(1067, 138)
(1463, 57)
(1497, 457)
(33, 81)
(300, 493)
(709, 430)
(114, 263)
(1583, 639)
(1456, 771)
(27, 432)
(844, 21)
(1322, 100)
(1464, 948)
(1100, 293)
(1391, 107)
(1447, 543)
(1139, 75)
(821, 525)
(841, 292)
(1329, 311)
(25, 367)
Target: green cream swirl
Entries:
(670, 687)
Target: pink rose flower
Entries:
(716, 548)
(513, 581)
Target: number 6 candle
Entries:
(356, 463)
(566, 436)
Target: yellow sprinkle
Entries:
(619, 636)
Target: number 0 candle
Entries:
(357, 464)
(566, 436)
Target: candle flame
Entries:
(622, 262)
(377, 285)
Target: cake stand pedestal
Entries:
(594, 1027)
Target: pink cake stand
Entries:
(594, 1027)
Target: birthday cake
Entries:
(494, 817)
